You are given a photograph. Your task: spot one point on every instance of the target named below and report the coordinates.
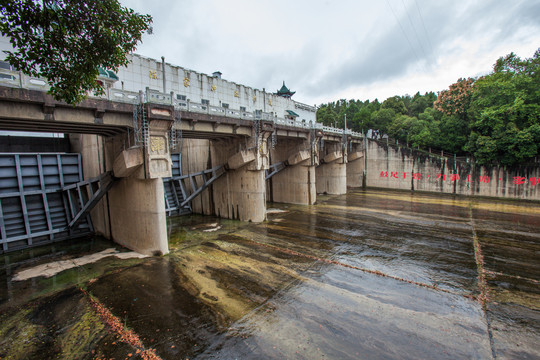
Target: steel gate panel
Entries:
(34, 209)
(173, 194)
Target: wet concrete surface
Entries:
(367, 275)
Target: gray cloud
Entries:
(389, 55)
(321, 48)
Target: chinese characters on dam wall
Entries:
(395, 167)
(518, 180)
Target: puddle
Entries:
(50, 269)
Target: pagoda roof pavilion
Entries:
(285, 92)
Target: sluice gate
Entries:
(181, 189)
(35, 209)
(43, 197)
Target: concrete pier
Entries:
(332, 178)
(296, 183)
(355, 167)
(137, 210)
(332, 172)
(241, 192)
(133, 212)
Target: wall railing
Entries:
(12, 78)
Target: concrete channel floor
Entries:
(368, 275)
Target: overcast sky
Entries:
(329, 50)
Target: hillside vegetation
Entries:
(494, 118)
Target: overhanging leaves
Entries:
(66, 41)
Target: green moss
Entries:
(79, 276)
(18, 335)
(79, 339)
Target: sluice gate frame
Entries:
(34, 207)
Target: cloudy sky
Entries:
(329, 50)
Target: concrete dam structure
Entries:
(166, 140)
(237, 148)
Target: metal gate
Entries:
(174, 194)
(180, 189)
(35, 208)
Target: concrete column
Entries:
(137, 200)
(241, 192)
(133, 213)
(137, 208)
(296, 183)
(94, 163)
(332, 178)
(332, 172)
(355, 166)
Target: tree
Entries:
(362, 120)
(420, 103)
(505, 112)
(396, 104)
(66, 41)
(326, 116)
(456, 132)
(455, 100)
(382, 119)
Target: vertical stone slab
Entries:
(195, 158)
(355, 169)
(296, 183)
(94, 163)
(332, 178)
(240, 193)
(138, 220)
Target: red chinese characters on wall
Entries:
(517, 180)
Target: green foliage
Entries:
(455, 132)
(66, 41)
(396, 104)
(505, 112)
(383, 118)
(495, 118)
(326, 115)
(420, 103)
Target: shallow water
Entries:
(371, 274)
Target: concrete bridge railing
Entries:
(17, 79)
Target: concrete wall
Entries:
(241, 193)
(402, 168)
(296, 183)
(196, 157)
(144, 72)
(94, 163)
